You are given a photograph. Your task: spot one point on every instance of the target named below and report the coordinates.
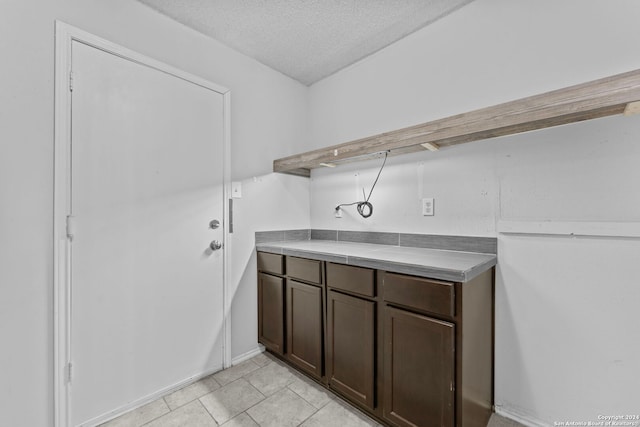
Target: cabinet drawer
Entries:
(422, 294)
(271, 263)
(304, 269)
(352, 279)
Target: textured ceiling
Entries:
(306, 39)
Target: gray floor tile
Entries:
(499, 421)
(192, 415)
(293, 399)
(270, 378)
(311, 392)
(231, 399)
(283, 409)
(368, 420)
(336, 414)
(140, 416)
(242, 420)
(191, 392)
(235, 372)
(261, 359)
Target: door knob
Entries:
(215, 245)
(214, 224)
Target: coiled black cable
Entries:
(365, 208)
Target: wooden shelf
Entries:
(617, 94)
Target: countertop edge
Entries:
(359, 261)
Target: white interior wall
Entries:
(268, 121)
(487, 52)
(565, 305)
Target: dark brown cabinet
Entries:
(350, 346)
(271, 312)
(408, 350)
(419, 366)
(304, 326)
(437, 351)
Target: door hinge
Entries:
(71, 227)
(69, 372)
(70, 81)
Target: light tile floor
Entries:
(262, 391)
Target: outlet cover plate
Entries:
(427, 206)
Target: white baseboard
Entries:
(148, 398)
(515, 415)
(248, 355)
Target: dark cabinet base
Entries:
(405, 350)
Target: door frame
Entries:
(65, 35)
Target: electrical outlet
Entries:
(427, 206)
(338, 213)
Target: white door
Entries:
(146, 180)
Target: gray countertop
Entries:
(440, 264)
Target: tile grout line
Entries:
(301, 397)
(214, 418)
(257, 403)
(196, 398)
(242, 376)
(207, 411)
(229, 383)
(249, 415)
(350, 407)
(277, 391)
(158, 417)
(310, 404)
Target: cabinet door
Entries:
(418, 370)
(350, 344)
(271, 312)
(304, 326)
